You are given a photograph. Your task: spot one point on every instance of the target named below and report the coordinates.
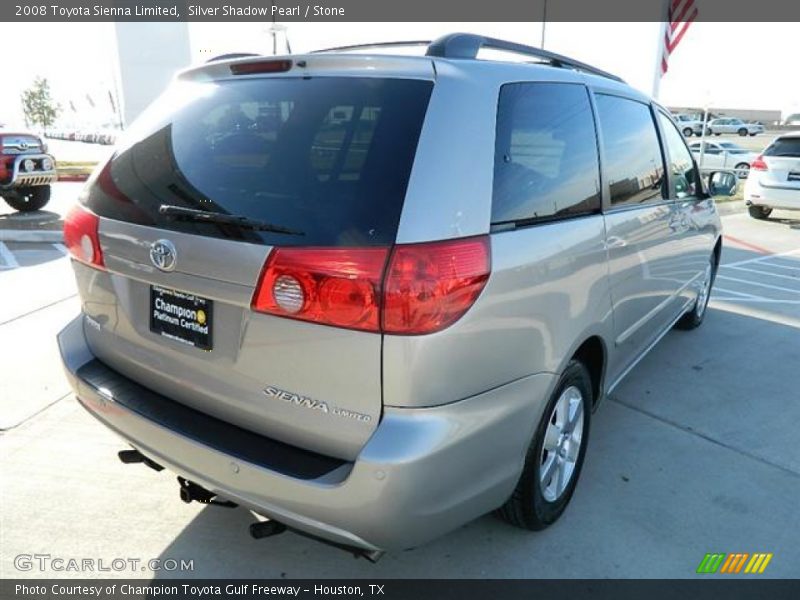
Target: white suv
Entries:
(774, 180)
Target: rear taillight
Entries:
(430, 286)
(334, 286)
(5, 167)
(758, 164)
(423, 288)
(81, 237)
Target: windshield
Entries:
(329, 156)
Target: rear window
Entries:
(330, 157)
(784, 147)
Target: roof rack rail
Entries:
(374, 45)
(467, 45)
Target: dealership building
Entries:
(767, 117)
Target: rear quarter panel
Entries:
(547, 293)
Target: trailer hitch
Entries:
(191, 491)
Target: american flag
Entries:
(681, 15)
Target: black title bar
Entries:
(711, 586)
(388, 10)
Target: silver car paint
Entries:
(453, 411)
(424, 472)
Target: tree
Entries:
(37, 104)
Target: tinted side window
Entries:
(683, 178)
(634, 166)
(545, 163)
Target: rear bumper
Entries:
(424, 471)
(38, 175)
(771, 197)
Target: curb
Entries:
(34, 235)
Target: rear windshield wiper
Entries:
(192, 214)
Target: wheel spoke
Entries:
(562, 481)
(551, 436)
(549, 469)
(562, 411)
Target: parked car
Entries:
(724, 155)
(26, 170)
(774, 180)
(720, 126)
(793, 119)
(688, 124)
(366, 343)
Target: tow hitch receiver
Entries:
(132, 457)
(268, 528)
(191, 491)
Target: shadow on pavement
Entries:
(32, 221)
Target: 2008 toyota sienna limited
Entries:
(373, 297)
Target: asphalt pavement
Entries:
(695, 452)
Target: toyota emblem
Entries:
(163, 255)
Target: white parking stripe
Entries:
(797, 279)
(8, 257)
(759, 300)
(762, 258)
(61, 248)
(777, 266)
(727, 291)
(765, 285)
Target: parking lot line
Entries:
(61, 248)
(762, 258)
(748, 245)
(765, 285)
(743, 294)
(790, 278)
(9, 260)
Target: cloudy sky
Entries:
(732, 65)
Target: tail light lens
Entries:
(5, 167)
(334, 286)
(423, 289)
(81, 237)
(758, 164)
(430, 286)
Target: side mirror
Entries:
(722, 183)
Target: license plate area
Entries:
(182, 317)
(794, 176)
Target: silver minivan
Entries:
(373, 297)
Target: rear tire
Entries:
(687, 132)
(559, 446)
(743, 132)
(759, 212)
(742, 170)
(29, 199)
(694, 318)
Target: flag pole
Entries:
(544, 22)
